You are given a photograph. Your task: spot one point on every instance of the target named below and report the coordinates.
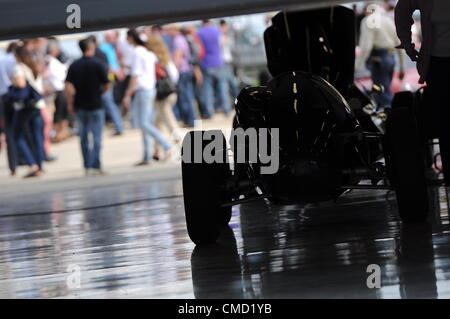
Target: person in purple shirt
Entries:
(181, 55)
(213, 68)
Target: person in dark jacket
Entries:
(433, 60)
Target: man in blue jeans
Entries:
(109, 49)
(377, 43)
(215, 84)
(86, 82)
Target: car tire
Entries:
(406, 164)
(204, 194)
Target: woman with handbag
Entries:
(166, 90)
(433, 60)
(142, 90)
(25, 94)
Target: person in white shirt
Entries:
(26, 73)
(7, 63)
(141, 93)
(378, 40)
(125, 53)
(55, 78)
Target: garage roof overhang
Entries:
(32, 18)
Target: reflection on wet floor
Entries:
(141, 249)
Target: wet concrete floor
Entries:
(128, 240)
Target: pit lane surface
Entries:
(126, 236)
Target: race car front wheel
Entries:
(204, 187)
(405, 158)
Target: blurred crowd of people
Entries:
(161, 78)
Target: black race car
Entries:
(327, 143)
